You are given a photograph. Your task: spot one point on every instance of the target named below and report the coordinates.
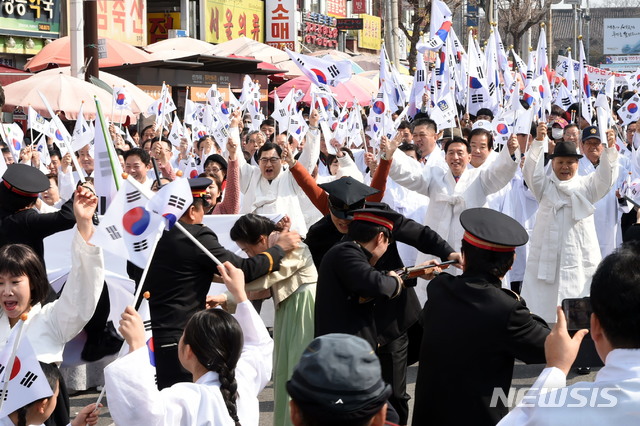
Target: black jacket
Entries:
(473, 331)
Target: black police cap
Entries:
(25, 180)
(491, 230)
(199, 186)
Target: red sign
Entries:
(359, 6)
(337, 8)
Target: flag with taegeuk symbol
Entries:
(171, 201)
(27, 382)
(322, 71)
(128, 229)
(121, 98)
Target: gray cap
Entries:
(339, 379)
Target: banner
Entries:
(337, 8)
(370, 37)
(281, 29)
(226, 20)
(123, 20)
(621, 36)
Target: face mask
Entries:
(556, 133)
(636, 140)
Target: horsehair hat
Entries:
(339, 379)
(345, 195)
(25, 180)
(491, 230)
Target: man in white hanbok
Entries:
(564, 249)
(612, 399)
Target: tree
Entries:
(419, 22)
(517, 16)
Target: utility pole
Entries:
(91, 39)
(76, 34)
(395, 27)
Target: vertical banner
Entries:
(281, 28)
(370, 36)
(225, 20)
(123, 20)
(358, 6)
(159, 25)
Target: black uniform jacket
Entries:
(395, 316)
(473, 330)
(30, 227)
(180, 274)
(348, 288)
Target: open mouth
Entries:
(10, 306)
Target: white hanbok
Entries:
(564, 250)
(135, 400)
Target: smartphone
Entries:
(578, 313)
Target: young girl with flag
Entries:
(228, 356)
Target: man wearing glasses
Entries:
(268, 188)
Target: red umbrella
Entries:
(58, 52)
(344, 92)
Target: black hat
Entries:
(591, 132)
(199, 186)
(339, 379)
(25, 180)
(345, 195)
(385, 218)
(216, 158)
(491, 230)
(565, 149)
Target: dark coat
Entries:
(395, 316)
(180, 275)
(473, 331)
(348, 289)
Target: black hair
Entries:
(404, 124)
(12, 202)
(482, 132)
(53, 376)
(268, 146)
(407, 147)
(218, 183)
(332, 157)
(424, 122)
(477, 260)
(615, 296)
(570, 126)
(148, 141)
(485, 111)
(268, 122)
(250, 227)
(55, 152)
(139, 152)
(166, 141)
(150, 126)
(363, 232)
(457, 139)
(133, 130)
(20, 259)
(216, 339)
(205, 137)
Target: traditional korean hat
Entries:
(565, 149)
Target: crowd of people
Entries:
(421, 246)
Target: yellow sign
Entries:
(370, 36)
(159, 24)
(123, 20)
(226, 20)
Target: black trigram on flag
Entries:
(333, 70)
(104, 164)
(6, 394)
(282, 112)
(133, 196)
(177, 202)
(420, 75)
(140, 245)
(1, 369)
(477, 99)
(147, 325)
(566, 101)
(28, 379)
(492, 88)
(479, 71)
(529, 74)
(113, 233)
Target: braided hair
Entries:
(216, 340)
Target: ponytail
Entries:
(229, 390)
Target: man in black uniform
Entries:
(473, 328)
(180, 275)
(396, 318)
(19, 222)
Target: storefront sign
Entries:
(123, 20)
(337, 8)
(358, 6)
(371, 34)
(226, 20)
(159, 25)
(28, 18)
(281, 30)
(349, 24)
(320, 30)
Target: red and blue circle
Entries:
(59, 135)
(474, 83)
(152, 351)
(16, 144)
(193, 174)
(502, 129)
(136, 220)
(159, 108)
(443, 32)
(121, 98)
(319, 75)
(528, 99)
(632, 108)
(541, 90)
(378, 107)
(224, 109)
(171, 219)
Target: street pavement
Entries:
(523, 376)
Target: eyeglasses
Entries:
(272, 160)
(214, 169)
